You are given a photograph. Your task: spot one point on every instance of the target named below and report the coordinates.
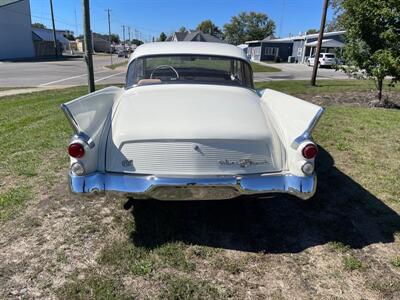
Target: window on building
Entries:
(271, 51)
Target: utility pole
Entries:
(54, 29)
(123, 35)
(129, 34)
(109, 34)
(76, 24)
(88, 45)
(320, 38)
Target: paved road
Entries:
(297, 72)
(58, 73)
(73, 72)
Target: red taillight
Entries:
(310, 151)
(76, 150)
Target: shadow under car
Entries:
(342, 210)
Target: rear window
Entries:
(175, 69)
(330, 55)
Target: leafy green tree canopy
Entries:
(136, 42)
(248, 26)
(207, 26)
(312, 31)
(162, 37)
(372, 39)
(115, 38)
(69, 36)
(39, 25)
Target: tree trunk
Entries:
(380, 87)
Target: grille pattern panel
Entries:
(196, 158)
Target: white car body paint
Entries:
(188, 131)
(199, 48)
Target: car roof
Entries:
(197, 48)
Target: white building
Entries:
(15, 29)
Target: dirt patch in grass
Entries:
(355, 98)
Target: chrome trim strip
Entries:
(197, 188)
(306, 135)
(79, 134)
(70, 118)
(86, 139)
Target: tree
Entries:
(182, 29)
(162, 37)
(207, 26)
(335, 24)
(39, 25)
(115, 38)
(372, 40)
(248, 26)
(136, 42)
(69, 36)
(312, 31)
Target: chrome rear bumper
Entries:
(194, 188)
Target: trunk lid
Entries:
(192, 130)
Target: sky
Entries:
(148, 18)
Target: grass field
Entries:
(263, 68)
(114, 66)
(343, 244)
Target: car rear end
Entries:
(328, 59)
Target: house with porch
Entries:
(294, 49)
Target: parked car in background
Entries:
(123, 53)
(325, 60)
(189, 124)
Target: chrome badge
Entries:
(243, 163)
(127, 163)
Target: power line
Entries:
(38, 17)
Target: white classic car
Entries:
(189, 124)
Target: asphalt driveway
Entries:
(296, 72)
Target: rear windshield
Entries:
(172, 69)
(330, 55)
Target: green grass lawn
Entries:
(12, 88)
(179, 251)
(323, 86)
(32, 126)
(114, 66)
(263, 68)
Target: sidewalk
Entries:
(18, 91)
